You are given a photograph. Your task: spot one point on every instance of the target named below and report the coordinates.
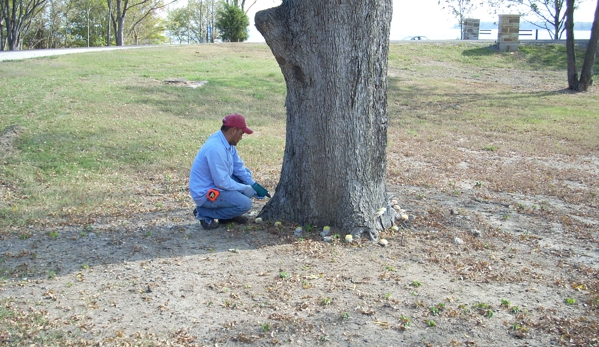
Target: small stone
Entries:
(383, 242)
(258, 220)
(458, 241)
(325, 231)
(298, 231)
(277, 224)
(476, 232)
(327, 239)
(348, 238)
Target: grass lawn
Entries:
(100, 135)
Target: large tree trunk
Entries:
(333, 55)
(586, 74)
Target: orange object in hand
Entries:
(212, 194)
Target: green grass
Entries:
(101, 135)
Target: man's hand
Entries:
(261, 191)
(248, 191)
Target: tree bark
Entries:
(586, 74)
(119, 32)
(570, 49)
(333, 55)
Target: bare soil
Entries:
(158, 278)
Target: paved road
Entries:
(34, 53)
(18, 55)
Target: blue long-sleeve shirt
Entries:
(214, 165)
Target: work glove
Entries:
(248, 191)
(260, 191)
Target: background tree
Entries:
(120, 8)
(86, 24)
(54, 21)
(333, 55)
(241, 4)
(192, 22)
(2, 35)
(460, 9)
(17, 16)
(232, 23)
(586, 74)
(199, 19)
(145, 27)
(178, 24)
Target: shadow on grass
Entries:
(399, 92)
(547, 57)
(481, 51)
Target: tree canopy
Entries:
(27, 24)
(232, 23)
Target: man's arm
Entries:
(217, 162)
(240, 171)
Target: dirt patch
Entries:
(8, 137)
(181, 82)
(460, 273)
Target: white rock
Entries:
(381, 211)
(458, 241)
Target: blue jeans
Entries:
(229, 204)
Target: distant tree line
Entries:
(39, 24)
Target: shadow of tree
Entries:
(551, 57)
(143, 237)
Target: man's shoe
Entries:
(238, 220)
(210, 226)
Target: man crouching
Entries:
(219, 182)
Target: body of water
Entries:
(450, 34)
(454, 34)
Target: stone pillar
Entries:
(508, 31)
(471, 27)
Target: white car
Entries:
(415, 38)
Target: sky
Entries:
(408, 18)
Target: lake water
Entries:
(454, 34)
(449, 34)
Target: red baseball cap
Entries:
(236, 121)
